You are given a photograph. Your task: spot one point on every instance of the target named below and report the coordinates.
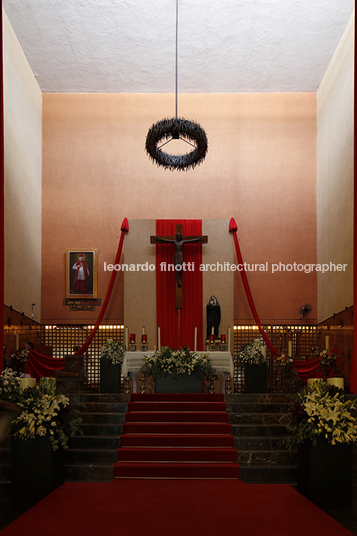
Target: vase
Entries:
(325, 474)
(183, 384)
(256, 378)
(110, 378)
(36, 470)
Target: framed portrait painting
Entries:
(81, 273)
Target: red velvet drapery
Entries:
(39, 365)
(233, 229)
(177, 326)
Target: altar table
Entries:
(222, 363)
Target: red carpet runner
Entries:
(177, 436)
(175, 508)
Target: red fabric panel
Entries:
(308, 369)
(233, 228)
(177, 327)
(353, 380)
(40, 366)
(2, 251)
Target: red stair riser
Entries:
(132, 440)
(176, 428)
(176, 470)
(179, 397)
(177, 454)
(177, 436)
(177, 406)
(183, 416)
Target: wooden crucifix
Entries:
(178, 241)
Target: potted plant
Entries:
(323, 426)
(255, 367)
(40, 433)
(177, 371)
(111, 360)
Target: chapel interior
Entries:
(279, 161)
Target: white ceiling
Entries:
(128, 46)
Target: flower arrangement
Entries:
(322, 411)
(9, 385)
(43, 412)
(251, 354)
(328, 362)
(19, 359)
(177, 363)
(112, 353)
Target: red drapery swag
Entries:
(39, 365)
(177, 326)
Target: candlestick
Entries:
(223, 338)
(290, 348)
(212, 339)
(144, 338)
(126, 337)
(158, 339)
(229, 340)
(327, 342)
(132, 338)
(195, 339)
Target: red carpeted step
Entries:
(176, 406)
(177, 416)
(177, 454)
(178, 397)
(176, 470)
(176, 428)
(134, 440)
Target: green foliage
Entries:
(9, 385)
(43, 412)
(251, 354)
(113, 353)
(322, 410)
(177, 363)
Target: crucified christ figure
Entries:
(179, 242)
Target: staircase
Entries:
(177, 436)
(91, 456)
(258, 427)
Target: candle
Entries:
(263, 350)
(132, 338)
(290, 348)
(144, 338)
(229, 340)
(158, 339)
(143, 331)
(195, 339)
(212, 331)
(27, 382)
(310, 381)
(223, 339)
(337, 382)
(327, 342)
(126, 337)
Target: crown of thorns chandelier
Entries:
(162, 132)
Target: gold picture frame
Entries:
(81, 273)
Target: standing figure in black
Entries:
(213, 316)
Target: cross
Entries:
(178, 241)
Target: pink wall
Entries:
(260, 169)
